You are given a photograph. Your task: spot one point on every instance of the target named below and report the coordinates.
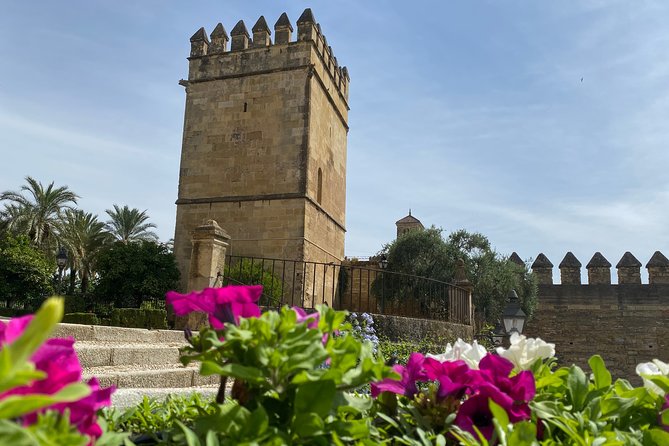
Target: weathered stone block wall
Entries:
(397, 328)
(626, 324)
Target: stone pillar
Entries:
(460, 302)
(543, 270)
(207, 261)
(599, 270)
(570, 270)
(629, 270)
(658, 269)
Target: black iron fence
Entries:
(354, 288)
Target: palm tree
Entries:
(130, 225)
(83, 236)
(37, 212)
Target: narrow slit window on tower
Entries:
(319, 192)
(245, 106)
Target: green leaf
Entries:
(577, 387)
(601, 375)
(315, 397)
(246, 373)
(13, 434)
(16, 405)
(307, 424)
(38, 331)
(189, 435)
(523, 434)
(664, 416)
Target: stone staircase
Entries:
(137, 361)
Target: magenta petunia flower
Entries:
(303, 316)
(664, 407)
(58, 359)
(410, 375)
(225, 304)
(475, 411)
(455, 377)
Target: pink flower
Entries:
(303, 316)
(83, 413)
(225, 304)
(410, 375)
(58, 359)
(475, 411)
(455, 377)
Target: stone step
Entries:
(103, 333)
(98, 354)
(150, 376)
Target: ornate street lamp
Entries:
(513, 316)
(61, 261)
(383, 261)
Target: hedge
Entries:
(81, 318)
(139, 318)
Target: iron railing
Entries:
(354, 288)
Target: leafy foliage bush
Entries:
(248, 272)
(81, 318)
(134, 272)
(427, 254)
(25, 273)
(139, 318)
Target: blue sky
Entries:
(543, 125)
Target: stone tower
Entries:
(408, 223)
(264, 142)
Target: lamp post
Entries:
(513, 316)
(61, 261)
(383, 264)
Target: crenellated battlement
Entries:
(254, 52)
(599, 269)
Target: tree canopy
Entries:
(25, 274)
(426, 253)
(130, 274)
(130, 225)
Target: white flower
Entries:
(523, 351)
(656, 367)
(461, 350)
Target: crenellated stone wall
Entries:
(627, 323)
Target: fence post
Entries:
(207, 262)
(467, 313)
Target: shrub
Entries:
(81, 318)
(138, 318)
(248, 272)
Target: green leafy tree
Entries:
(245, 272)
(130, 274)
(427, 254)
(25, 274)
(130, 225)
(84, 237)
(35, 211)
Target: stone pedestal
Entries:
(207, 262)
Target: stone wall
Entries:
(626, 323)
(397, 328)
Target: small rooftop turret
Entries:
(283, 30)
(658, 269)
(570, 270)
(515, 258)
(629, 269)
(199, 43)
(219, 40)
(240, 37)
(543, 269)
(261, 33)
(306, 26)
(599, 270)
